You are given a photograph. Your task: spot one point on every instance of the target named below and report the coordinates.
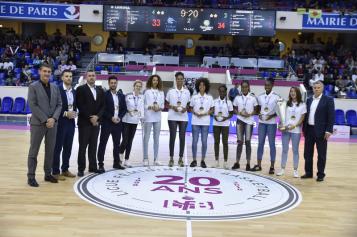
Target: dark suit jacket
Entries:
(87, 106)
(109, 106)
(42, 108)
(324, 115)
(65, 104)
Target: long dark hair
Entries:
(298, 97)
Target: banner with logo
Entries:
(39, 11)
(330, 21)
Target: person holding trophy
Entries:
(201, 106)
(246, 106)
(177, 100)
(267, 124)
(154, 100)
(290, 125)
(222, 113)
(135, 112)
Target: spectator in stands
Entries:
(204, 64)
(62, 56)
(317, 77)
(354, 75)
(25, 78)
(48, 60)
(71, 67)
(7, 64)
(37, 51)
(109, 48)
(151, 63)
(63, 65)
(233, 92)
(10, 79)
(77, 45)
(37, 62)
(300, 72)
(57, 73)
(341, 86)
(1, 65)
(216, 65)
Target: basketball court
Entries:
(163, 201)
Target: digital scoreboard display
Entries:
(189, 20)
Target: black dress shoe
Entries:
(80, 174)
(193, 163)
(118, 167)
(320, 179)
(101, 170)
(32, 182)
(271, 170)
(256, 168)
(247, 167)
(203, 164)
(235, 166)
(305, 176)
(51, 179)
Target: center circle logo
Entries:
(188, 193)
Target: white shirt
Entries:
(319, 77)
(224, 106)
(174, 96)
(69, 96)
(293, 115)
(1, 65)
(150, 97)
(246, 103)
(94, 92)
(314, 104)
(268, 106)
(135, 106)
(198, 101)
(7, 65)
(116, 104)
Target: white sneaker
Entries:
(127, 164)
(281, 172)
(146, 162)
(216, 164)
(296, 174)
(157, 163)
(225, 165)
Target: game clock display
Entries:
(189, 20)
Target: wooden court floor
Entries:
(327, 209)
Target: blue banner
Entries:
(330, 21)
(39, 11)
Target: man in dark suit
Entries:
(66, 128)
(90, 103)
(318, 127)
(115, 109)
(45, 103)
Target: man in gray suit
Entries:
(45, 103)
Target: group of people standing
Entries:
(110, 112)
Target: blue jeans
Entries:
(263, 131)
(196, 130)
(295, 140)
(147, 130)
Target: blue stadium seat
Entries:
(17, 70)
(116, 69)
(98, 68)
(6, 105)
(351, 117)
(110, 68)
(339, 117)
(19, 105)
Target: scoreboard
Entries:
(189, 20)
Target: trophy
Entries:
(179, 107)
(281, 112)
(70, 107)
(220, 116)
(155, 105)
